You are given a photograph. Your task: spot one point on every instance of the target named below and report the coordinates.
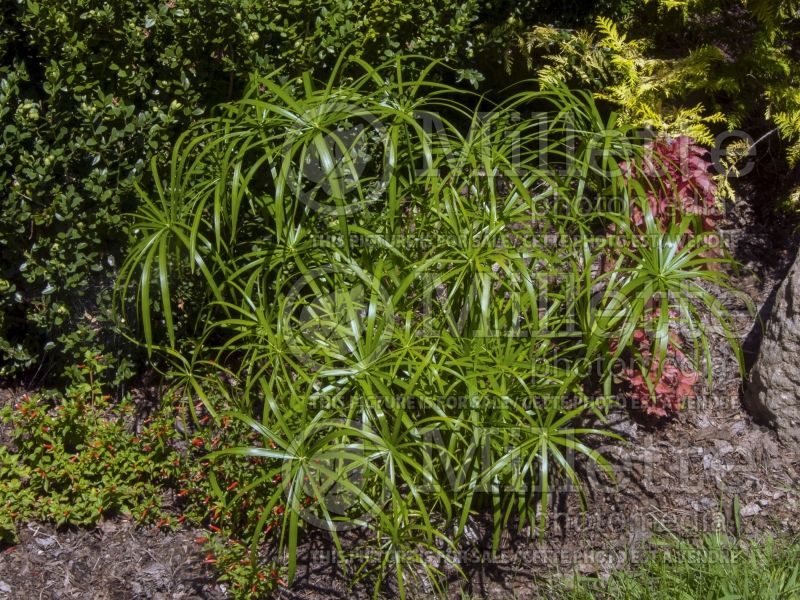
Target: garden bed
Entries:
(686, 475)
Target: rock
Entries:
(45, 542)
(750, 510)
(4, 588)
(587, 568)
(738, 428)
(155, 569)
(773, 393)
(703, 422)
(723, 447)
(703, 504)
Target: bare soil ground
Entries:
(683, 474)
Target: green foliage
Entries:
(620, 71)
(91, 90)
(715, 566)
(217, 499)
(685, 67)
(763, 74)
(86, 95)
(774, 12)
(385, 307)
(244, 579)
(72, 459)
(502, 33)
(77, 458)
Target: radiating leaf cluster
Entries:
(404, 297)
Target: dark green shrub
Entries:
(86, 96)
(90, 90)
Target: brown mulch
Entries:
(112, 560)
(683, 474)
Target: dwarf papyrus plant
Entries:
(411, 296)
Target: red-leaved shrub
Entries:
(676, 174)
(674, 385)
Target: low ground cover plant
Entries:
(715, 566)
(79, 457)
(412, 299)
(73, 460)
